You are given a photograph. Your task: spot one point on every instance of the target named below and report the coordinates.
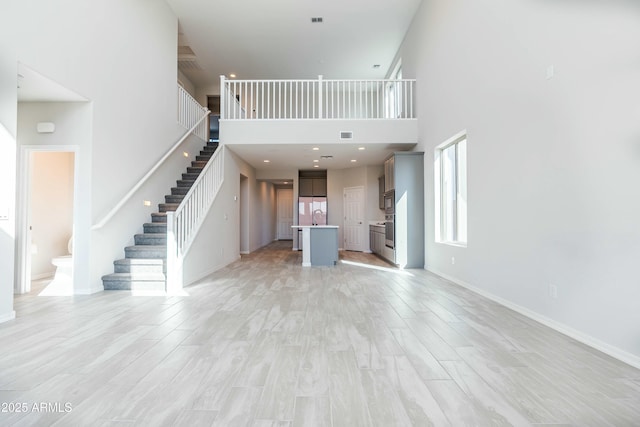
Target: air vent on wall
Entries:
(346, 135)
(316, 20)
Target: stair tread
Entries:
(146, 247)
(136, 276)
(140, 261)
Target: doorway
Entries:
(284, 200)
(47, 203)
(354, 223)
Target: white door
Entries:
(285, 213)
(354, 223)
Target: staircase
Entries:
(144, 265)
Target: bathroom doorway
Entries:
(47, 202)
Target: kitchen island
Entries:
(319, 244)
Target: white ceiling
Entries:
(275, 39)
(302, 156)
(34, 87)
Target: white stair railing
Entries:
(317, 99)
(184, 223)
(190, 112)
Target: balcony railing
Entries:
(316, 99)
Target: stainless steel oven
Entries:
(390, 231)
(390, 202)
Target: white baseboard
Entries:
(89, 291)
(615, 352)
(210, 272)
(244, 252)
(368, 251)
(42, 276)
(9, 316)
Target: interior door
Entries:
(354, 223)
(285, 213)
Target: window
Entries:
(394, 93)
(451, 190)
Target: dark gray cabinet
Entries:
(312, 187)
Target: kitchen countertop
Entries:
(315, 226)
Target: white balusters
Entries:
(317, 99)
(190, 112)
(183, 224)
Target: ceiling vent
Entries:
(316, 20)
(346, 135)
(326, 157)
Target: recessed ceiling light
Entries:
(353, 160)
(361, 148)
(316, 166)
(316, 148)
(286, 182)
(184, 153)
(233, 76)
(267, 161)
(316, 161)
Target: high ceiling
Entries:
(276, 39)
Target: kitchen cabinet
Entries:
(381, 191)
(312, 187)
(377, 243)
(376, 238)
(406, 177)
(389, 174)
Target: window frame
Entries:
(451, 217)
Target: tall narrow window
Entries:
(395, 93)
(451, 190)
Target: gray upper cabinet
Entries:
(319, 186)
(389, 174)
(312, 187)
(305, 187)
(381, 191)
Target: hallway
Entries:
(265, 342)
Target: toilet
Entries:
(62, 283)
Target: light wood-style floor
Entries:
(266, 342)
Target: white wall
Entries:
(553, 163)
(319, 131)
(129, 75)
(188, 85)
(268, 214)
(51, 208)
(217, 243)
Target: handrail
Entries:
(321, 99)
(144, 179)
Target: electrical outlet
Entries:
(553, 291)
(453, 260)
